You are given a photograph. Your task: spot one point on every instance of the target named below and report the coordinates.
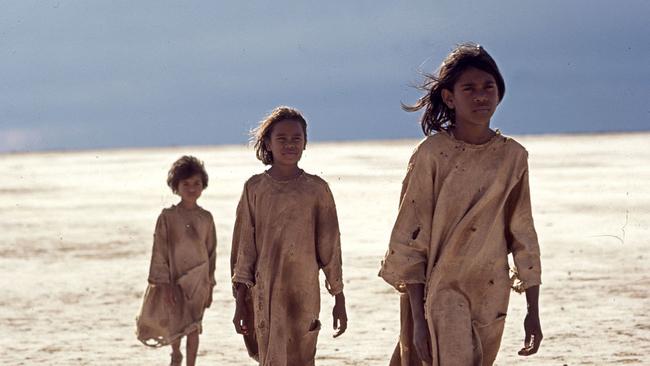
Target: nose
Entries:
(480, 96)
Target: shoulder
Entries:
(319, 189)
(433, 142)
(205, 213)
(254, 181)
(514, 147)
(166, 214)
(316, 181)
(167, 211)
(428, 149)
(318, 185)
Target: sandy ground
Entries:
(76, 238)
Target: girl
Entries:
(286, 230)
(465, 205)
(181, 275)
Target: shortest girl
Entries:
(181, 276)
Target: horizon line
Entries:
(311, 142)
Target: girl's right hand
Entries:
(421, 341)
(239, 320)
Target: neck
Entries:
(188, 204)
(284, 172)
(473, 134)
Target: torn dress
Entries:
(463, 209)
(284, 233)
(183, 255)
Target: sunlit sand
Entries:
(76, 234)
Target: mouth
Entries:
(482, 110)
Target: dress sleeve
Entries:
(243, 255)
(405, 261)
(328, 243)
(521, 235)
(159, 272)
(212, 250)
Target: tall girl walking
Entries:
(465, 205)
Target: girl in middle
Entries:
(286, 230)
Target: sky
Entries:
(116, 74)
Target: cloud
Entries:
(89, 75)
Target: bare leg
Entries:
(191, 347)
(177, 356)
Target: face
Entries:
(190, 189)
(287, 141)
(474, 98)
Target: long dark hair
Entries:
(262, 133)
(437, 116)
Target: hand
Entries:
(339, 315)
(421, 340)
(534, 335)
(239, 320)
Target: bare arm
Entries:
(532, 326)
(339, 315)
(239, 320)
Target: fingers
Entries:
(532, 346)
(339, 319)
(342, 327)
(533, 337)
(239, 321)
(240, 326)
(243, 329)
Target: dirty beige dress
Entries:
(184, 254)
(463, 208)
(285, 232)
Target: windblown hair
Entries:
(437, 116)
(183, 168)
(261, 135)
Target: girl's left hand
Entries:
(339, 315)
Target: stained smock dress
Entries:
(284, 233)
(463, 209)
(183, 255)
